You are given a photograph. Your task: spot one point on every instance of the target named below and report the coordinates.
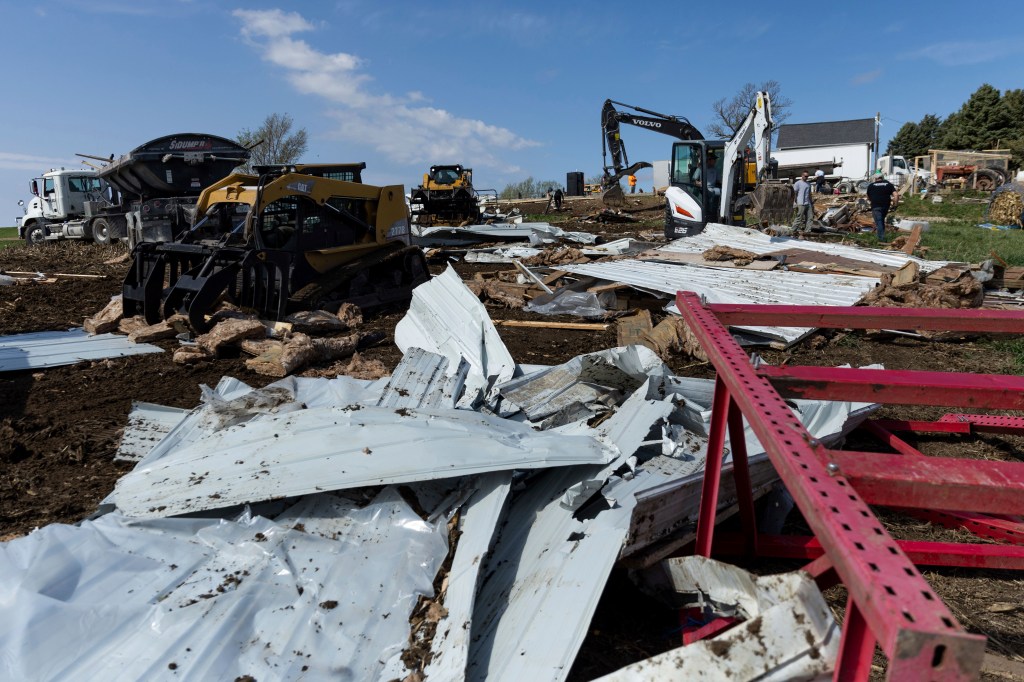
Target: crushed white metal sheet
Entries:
(335, 448)
(421, 380)
(508, 254)
(548, 567)
(38, 350)
(147, 426)
(722, 285)
(788, 632)
(445, 317)
(737, 237)
(478, 521)
(583, 386)
(535, 233)
(216, 599)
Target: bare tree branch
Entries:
(277, 146)
(730, 113)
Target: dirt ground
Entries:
(60, 427)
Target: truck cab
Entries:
(895, 168)
(58, 196)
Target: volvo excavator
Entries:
(291, 237)
(709, 180)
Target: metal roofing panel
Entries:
(216, 599)
(734, 285)
(479, 518)
(421, 380)
(147, 426)
(54, 349)
(445, 317)
(334, 448)
(716, 234)
(548, 568)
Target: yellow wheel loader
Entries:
(290, 238)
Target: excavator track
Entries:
(376, 280)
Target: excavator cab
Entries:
(697, 168)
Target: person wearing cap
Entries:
(714, 181)
(804, 207)
(880, 194)
(819, 181)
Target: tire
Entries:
(984, 180)
(101, 231)
(35, 234)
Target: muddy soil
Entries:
(60, 427)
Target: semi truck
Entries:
(148, 194)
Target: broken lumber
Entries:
(54, 274)
(536, 324)
(634, 329)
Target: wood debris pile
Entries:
(1007, 206)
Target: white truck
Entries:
(66, 204)
(147, 194)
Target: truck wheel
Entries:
(101, 231)
(35, 234)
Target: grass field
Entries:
(9, 237)
(957, 237)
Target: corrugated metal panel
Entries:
(331, 448)
(722, 285)
(445, 317)
(479, 519)
(53, 349)
(147, 426)
(215, 599)
(548, 568)
(760, 243)
(421, 380)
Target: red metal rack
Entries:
(890, 603)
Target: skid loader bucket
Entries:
(773, 202)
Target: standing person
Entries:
(632, 184)
(880, 193)
(819, 181)
(558, 199)
(804, 207)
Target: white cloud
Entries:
(966, 53)
(866, 77)
(36, 164)
(392, 124)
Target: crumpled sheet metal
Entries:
(723, 285)
(584, 381)
(446, 318)
(213, 599)
(789, 632)
(38, 350)
(147, 426)
(334, 448)
(716, 234)
(548, 568)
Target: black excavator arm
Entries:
(674, 126)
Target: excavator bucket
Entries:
(614, 197)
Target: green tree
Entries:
(915, 139)
(273, 142)
(730, 113)
(528, 189)
(979, 122)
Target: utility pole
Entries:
(878, 123)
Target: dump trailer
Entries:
(446, 195)
(146, 195)
(291, 238)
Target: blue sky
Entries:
(510, 89)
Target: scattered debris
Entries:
(106, 320)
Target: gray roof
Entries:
(797, 135)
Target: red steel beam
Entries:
(937, 319)
(958, 554)
(986, 423)
(912, 625)
(933, 482)
(904, 387)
